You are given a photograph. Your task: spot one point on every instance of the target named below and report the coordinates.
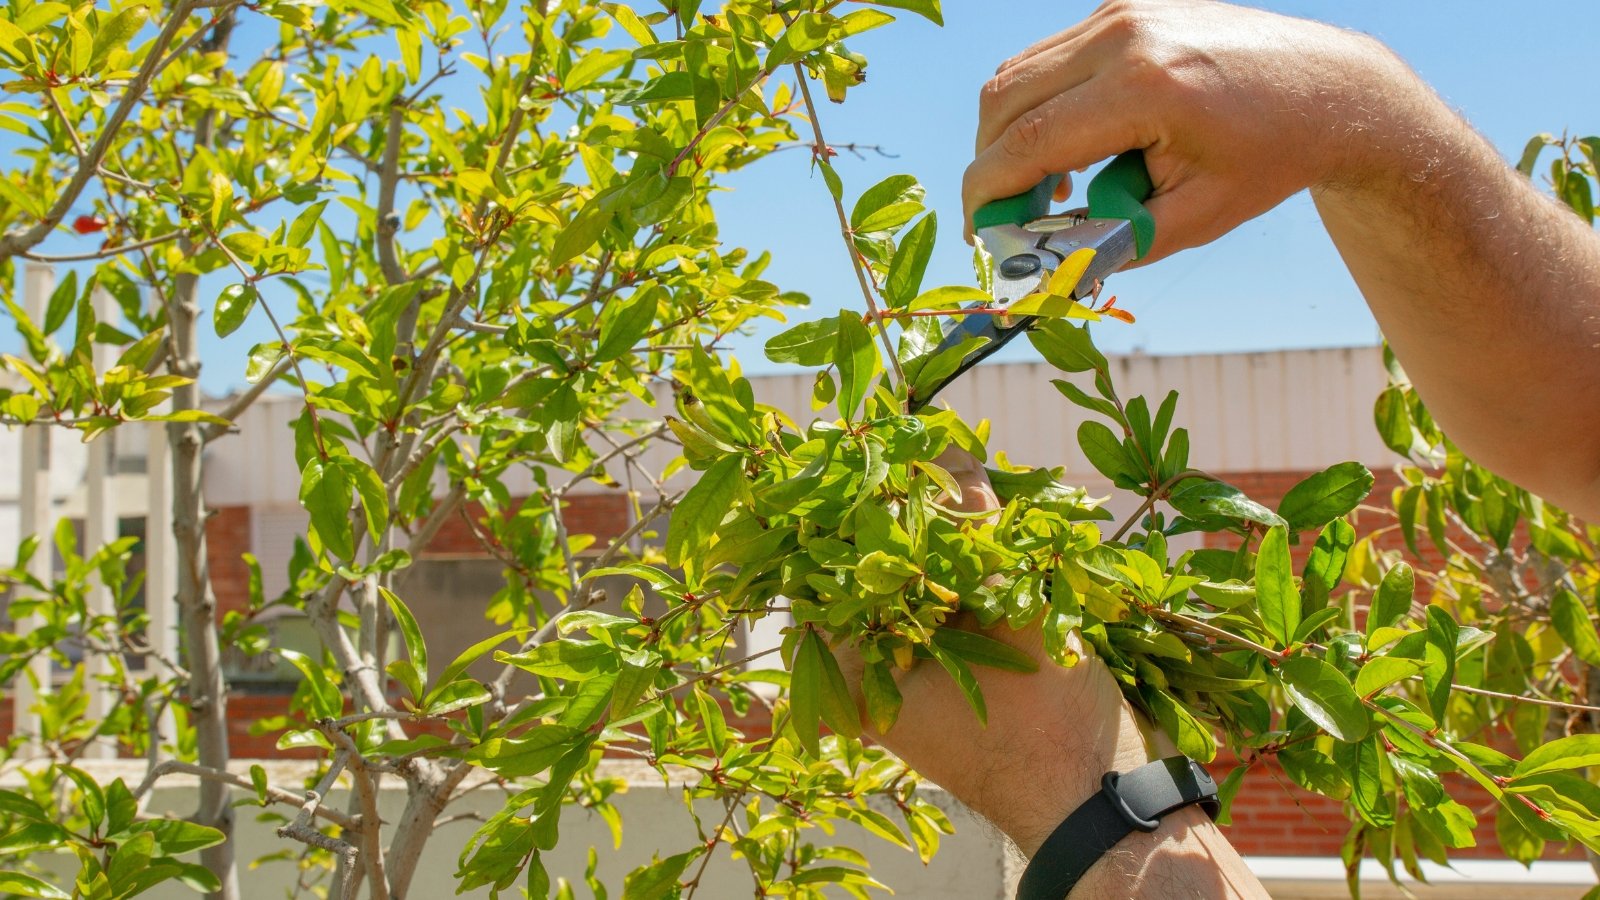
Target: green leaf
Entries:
(703, 508)
(374, 498)
(62, 301)
(858, 361)
(469, 656)
(1382, 671)
(1276, 596)
(1325, 496)
(805, 693)
(1200, 498)
(1191, 736)
(305, 224)
(1443, 633)
(1105, 452)
(886, 205)
(565, 658)
(838, 707)
(1391, 602)
(623, 324)
(1326, 562)
(1325, 696)
(963, 677)
(659, 879)
(1066, 346)
(948, 297)
(1576, 752)
(1531, 152)
(881, 694)
(1572, 622)
(883, 573)
(233, 307)
(29, 886)
(594, 64)
(1226, 791)
(1393, 420)
(326, 492)
(807, 344)
(582, 232)
(416, 647)
(982, 650)
(928, 9)
(181, 836)
(528, 755)
(637, 674)
(808, 32)
(910, 261)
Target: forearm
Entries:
(1051, 736)
(1488, 292)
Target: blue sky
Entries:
(1514, 70)
(1275, 282)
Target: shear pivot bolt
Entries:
(1020, 266)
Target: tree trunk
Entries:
(197, 605)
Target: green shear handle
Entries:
(1118, 192)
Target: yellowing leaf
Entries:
(1064, 280)
(1052, 306)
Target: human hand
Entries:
(1050, 735)
(1236, 109)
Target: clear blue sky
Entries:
(1513, 69)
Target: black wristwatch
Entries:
(1125, 803)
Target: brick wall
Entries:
(603, 515)
(227, 539)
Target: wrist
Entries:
(1055, 733)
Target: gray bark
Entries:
(208, 692)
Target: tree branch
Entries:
(25, 238)
(849, 235)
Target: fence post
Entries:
(37, 518)
(100, 529)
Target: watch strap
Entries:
(1126, 802)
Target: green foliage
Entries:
(470, 300)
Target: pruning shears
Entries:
(1029, 244)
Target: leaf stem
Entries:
(873, 314)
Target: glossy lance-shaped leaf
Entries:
(856, 357)
(888, 204)
(416, 646)
(703, 508)
(806, 344)
(910, 261)
(1579, 751)
(326, 492)
(1326, 563)
(1382, 671)
(1572, 622)
(1066, 346)
(1200, 498)
(982, 650)
(1392, 600)
(233, 307)
(1276, 596)
(1325, 696)
(806, 687)
(1440, 654)
(1325, 496)
(881, 694)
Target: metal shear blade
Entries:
(1025, 257)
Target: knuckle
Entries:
(991, 97)
(1028, 135)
